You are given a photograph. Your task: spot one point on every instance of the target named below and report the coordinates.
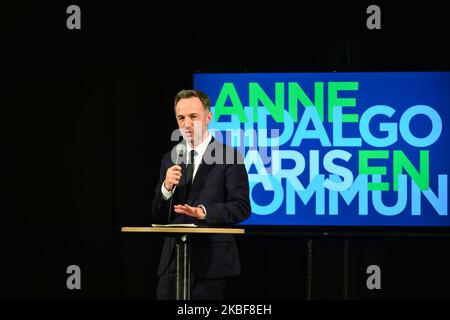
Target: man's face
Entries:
(192, 119)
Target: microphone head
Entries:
(181, 150)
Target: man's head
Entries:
(192, 111)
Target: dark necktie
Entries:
(190, 171)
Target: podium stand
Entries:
(183, 262)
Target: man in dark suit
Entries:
(210, 187)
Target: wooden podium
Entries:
(183, 262)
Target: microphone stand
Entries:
(179, 155)
(170, 204)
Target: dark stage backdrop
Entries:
(88, 113)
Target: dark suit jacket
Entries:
(223, 188)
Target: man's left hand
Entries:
(189, 211)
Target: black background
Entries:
(88, 113)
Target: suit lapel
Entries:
(201, 174)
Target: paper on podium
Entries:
(191, 225)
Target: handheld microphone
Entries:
(180, 149)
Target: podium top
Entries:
(184, 230)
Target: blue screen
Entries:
(338, 149)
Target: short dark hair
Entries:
(185, 94)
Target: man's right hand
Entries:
(173, 176)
